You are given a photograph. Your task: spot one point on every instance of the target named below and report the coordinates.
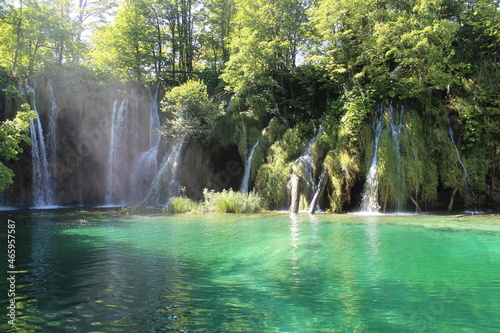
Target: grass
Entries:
(181, 205)
(226, 201)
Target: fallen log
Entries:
(417, 206)
(319, 192)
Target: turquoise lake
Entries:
(89, 271)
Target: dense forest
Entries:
(407, 90)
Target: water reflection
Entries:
(373, 251)
(294, 241)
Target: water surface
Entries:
(91, 272)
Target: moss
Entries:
(272, 183)
(342, 169)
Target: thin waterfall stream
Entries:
(396, 128)
(166, 182)
(369, 202)
(469, 194)
(118, 130)
(248, 168)
(146, 166)
(42, 183)
(304, 165)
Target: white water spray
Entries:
(42, 182)
(369, 202)
(468, 188)
(116, 147)
(166, 183)
(146, 166)
(307, 163)
(248, 168)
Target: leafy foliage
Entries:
(226, 201)
(181, 205)
(190, 110)
(12, 134)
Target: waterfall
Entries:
(166, 183)
(43, 194)
(118, 131)
(307, 163)
(396, 127)
(369, 201)
(146, 166)
(468, 188)
(42, 182)
(154, 118)
(248, 168)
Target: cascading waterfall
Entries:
(248, 168)
(146, 166)
(468, 188)
(166, 183)
(43, 194)
(42, 186)
(118, 130)
(396, 128)
(369, 202)
(307, 163)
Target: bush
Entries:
(181, 205)
(229, 201)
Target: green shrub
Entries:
(229, 201)
(181, 205)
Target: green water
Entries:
(89, 272)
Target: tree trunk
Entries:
(294, 206)
(319, 192)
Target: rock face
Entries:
(209, 166)
(81, 167)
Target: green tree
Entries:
(267, 38)
(399, 48)
(36, 34)
(215, 29)
(189, 110)
(126, 47)
(148, 40)
(12, 133)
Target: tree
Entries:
(12, 133)
(267, 37)
(35, 34)
(125, 48)
(394, 48)
(189, 110)
(147, 40)
(215, 30)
